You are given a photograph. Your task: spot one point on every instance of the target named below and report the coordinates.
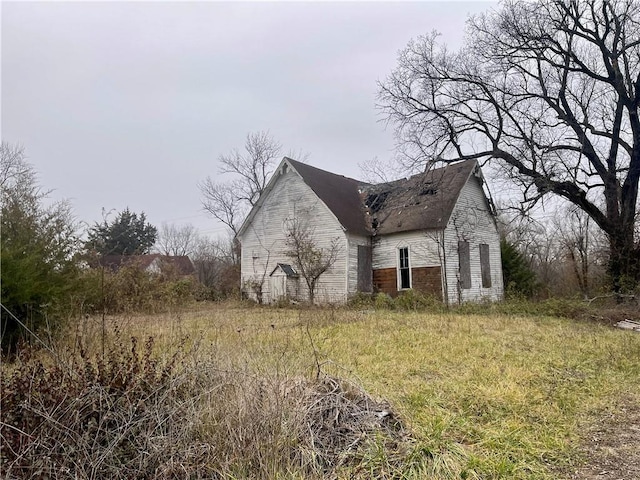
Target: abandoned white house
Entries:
(434, 232)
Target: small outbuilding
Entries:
(283, 282)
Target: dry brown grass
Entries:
(201, 399)
(294, 393)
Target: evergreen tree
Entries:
(518, 276)
(37, 269)
(128, 234)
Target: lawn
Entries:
(482, 395)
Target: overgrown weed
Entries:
(477, 394)
(190, 407)
(605, 309)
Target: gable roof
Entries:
(287, 269)
(181, 264)
(341, 194)
(421, 202)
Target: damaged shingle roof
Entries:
(421, 202)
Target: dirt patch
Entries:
(612, 446)
(609, 315)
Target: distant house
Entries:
(434, 232)
(156, 263)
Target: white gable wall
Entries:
(472, 221)
(263, 241)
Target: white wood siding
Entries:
(423, 249)
(263, 243)
(472, 221)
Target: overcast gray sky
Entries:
(130, 103)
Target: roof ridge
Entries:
(306, 165)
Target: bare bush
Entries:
(135, 414)
(310, 256)
(131, 289)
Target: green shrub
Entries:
(361, 300)
(413, 300)
(38, 268)
(383, 301)
(519, 278)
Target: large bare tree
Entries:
(248, 171)
(546, 90)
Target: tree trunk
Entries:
(312, 292)
(624, 262)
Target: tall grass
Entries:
(190, 402)
(273, 393)
(491, 396)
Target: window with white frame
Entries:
(404, 270)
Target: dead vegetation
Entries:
(135, 414)
(237, 392)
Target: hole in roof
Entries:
(375, 201)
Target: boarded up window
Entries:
(485, 266)
(427, 280)
(403, 266)
(365, 274)
(386, 280)
(465, 264)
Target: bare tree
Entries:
(250, 170)
(378, 171)
(566, 250)
(310, 259)
(216, 265)
(229, 202)
(549, 91)
(177, 240)
(14, 168)
(580, 244)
